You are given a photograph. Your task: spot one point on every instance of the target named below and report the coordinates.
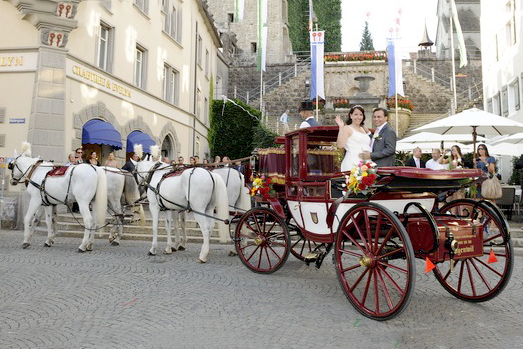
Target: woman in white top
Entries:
(353, 137)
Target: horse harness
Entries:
(162, 199)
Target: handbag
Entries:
(491, 188)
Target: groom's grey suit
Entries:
(384, 147)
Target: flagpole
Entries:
(455, 104)
(316, 82)
(261, 92)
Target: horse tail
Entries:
(244, 201)
(130, 188)
(221, 200)
(101, 196)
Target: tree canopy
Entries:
(366, 43)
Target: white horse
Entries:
(195, 189)
(119, 182)
(238, 194)
(83, 183)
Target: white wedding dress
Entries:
(355, 145)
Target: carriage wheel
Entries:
(262, 240)
(300, 246)
(474, 279)
(375, 261)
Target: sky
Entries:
(382, 16)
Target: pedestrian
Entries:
(455, 160)
(240, 167)
(383, 140)
(111, 160)
(415, 160)
(79, 155)
(306, 109)
(180, 160)
(284, 120)
(227, 161)
(131, 164)
(434, 163)
(93, 159)
(192, 161)
(72, 159)
(196, 159)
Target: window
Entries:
(197, 146)
(199, 50)
(489, 105)
(504, 100)
(105, 47)
(198, 103)
(172, 22)
(496, 105)
(170, 84)
(205, 111)
(140, 67)
(143, 5)
(207, 59)
(510, 27)
(513, 96)
(165, 15)
(254, 47)
(230, 17)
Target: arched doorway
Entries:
(168, 147)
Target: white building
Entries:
(502, 57)
(74, 72)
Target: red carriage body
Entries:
(376, 236)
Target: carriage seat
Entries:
(175, 172)
(57, 171)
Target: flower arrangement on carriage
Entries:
(361, 177)
(262, 187)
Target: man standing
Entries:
(415, 160)
(306, 109)
(383, 141)
(284, 121)
(434, 163)
(131, 164)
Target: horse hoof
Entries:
(81, 251)
(201, 262)
(181, 248)
(167, 252)
(232, 254)
(151, 254)
(25, 245)
(115, 243)
(47, 244)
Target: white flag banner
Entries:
(262, 34)
(317, 39)
(461, 41)
(239, 7)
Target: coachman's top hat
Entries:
(306, 105)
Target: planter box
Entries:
(404, 120)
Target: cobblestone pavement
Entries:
(119, 297)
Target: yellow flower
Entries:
(364, 174)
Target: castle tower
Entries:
(231, 23)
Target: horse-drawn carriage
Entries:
(375, 237)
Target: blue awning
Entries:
(100, 132)
(138, 137)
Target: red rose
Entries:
(372, 177)
(362, 186)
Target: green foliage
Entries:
(515, 177)
(234, 132)
(366, 43)
(263, 137)
(328, 13)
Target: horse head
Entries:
(21, 164)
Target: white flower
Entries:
(376, 135)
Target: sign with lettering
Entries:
(102, 81)
(17, 61)
(17, 120)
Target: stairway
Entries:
(70, 226)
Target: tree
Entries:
(366, 43)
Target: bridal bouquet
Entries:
(361, 177)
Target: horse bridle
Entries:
(12, 165)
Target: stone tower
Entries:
(279, 48)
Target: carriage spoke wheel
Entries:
(375, 261)
(475, 279)
(262, 240)
(300, 246)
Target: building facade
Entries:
(469, 13)
(502, 57)
(73, 72)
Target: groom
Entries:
(383, 141)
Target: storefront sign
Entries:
(17, 120)
(17, 61)
(101, 81)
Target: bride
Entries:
(353, 137)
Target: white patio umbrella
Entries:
(506, 149)
(427, 147)
(516, 138)
(424, 137)
(475, 121)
